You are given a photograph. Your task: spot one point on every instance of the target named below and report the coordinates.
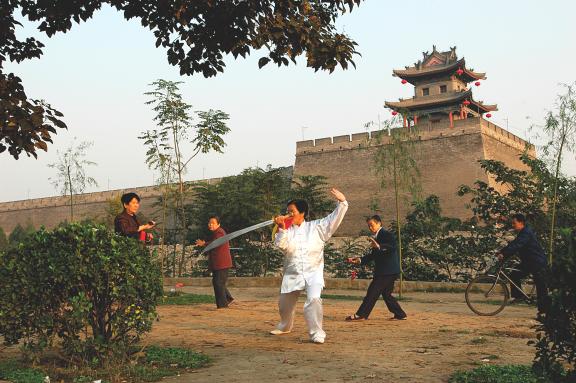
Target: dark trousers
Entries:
(221, 293)
(539, 277)
(381, 285)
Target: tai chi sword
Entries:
(220, 241)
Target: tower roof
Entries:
(438, 64)
(448, 100)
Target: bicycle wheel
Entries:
(486, 297)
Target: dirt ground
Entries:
(440, 336)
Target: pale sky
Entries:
(97, 73)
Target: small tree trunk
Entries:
(71, 194)
(555, 196)
(398, 229)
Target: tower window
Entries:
(425, 91)
(443, 89)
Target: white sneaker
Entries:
(318, 340)
(279, 332)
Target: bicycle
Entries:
(488, 294)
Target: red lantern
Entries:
(466, 102)
(394, 112)
(403, 81)
(477, 83)
(488, 115)
(459, 72)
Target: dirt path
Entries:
(440, 336)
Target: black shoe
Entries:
(398, 317)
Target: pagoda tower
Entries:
(441, 91)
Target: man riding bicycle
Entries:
(532, 261)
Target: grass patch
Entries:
(495, 374)
(354, 297)
(441, 289)
(152, 365)
(185, 299)
(457, 331)
(342, 297)
(175, 357)
(18, 373)
(479, 340)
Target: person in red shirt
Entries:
(127, 223)
(219, 261)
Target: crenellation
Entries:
(326, 141)
(341, 139)
(304, 144)
(360, 136)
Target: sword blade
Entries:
(220, 241)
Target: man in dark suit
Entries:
(386, 271)
(219, 261)
(532, 261)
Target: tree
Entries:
(556, 330)
(396, 163)
(71, 175)
(314, 190)
(3, 240)
(253, 196)
(19, 233)
(167, 145)
(560, 126)
(195, 33)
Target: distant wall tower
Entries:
(452, 136)
(441, 92)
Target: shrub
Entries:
(556, 344)
(81, 284)
(495, 374)
(257, 259)
(335, 259)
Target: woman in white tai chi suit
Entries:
(303, 247)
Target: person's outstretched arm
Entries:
(327, 226)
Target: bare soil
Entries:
(440, 336)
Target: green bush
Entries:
(495, 374)
(81, 284)
(556, 337)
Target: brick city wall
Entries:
(51, 211)
(447, 158)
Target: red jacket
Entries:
(219, 258)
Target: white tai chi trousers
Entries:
(313, 313)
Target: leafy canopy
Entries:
(196, 35)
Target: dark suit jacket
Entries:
(528, 248)
(127, 225)
(219, 258)
(386, 260)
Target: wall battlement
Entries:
(366, 139)
(85, 198)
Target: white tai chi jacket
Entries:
(303, 248)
